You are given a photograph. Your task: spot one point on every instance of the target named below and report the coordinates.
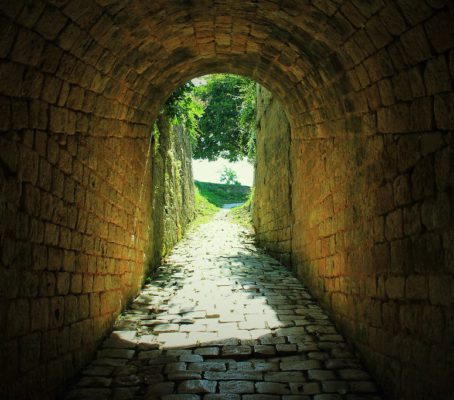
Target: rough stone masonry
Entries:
(367, 90)
(224, 321)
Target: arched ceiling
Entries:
(290, 47)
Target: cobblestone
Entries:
(222, 321)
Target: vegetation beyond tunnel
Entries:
(354, 181)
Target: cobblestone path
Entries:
(224, 321)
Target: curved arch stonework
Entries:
(368, 216)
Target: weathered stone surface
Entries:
(236, 351)
(207, 366)
(207, 351)
(300, 365)
(272, 388)
(197, 386)
(233, 375)
(236, 387)
(284, 377)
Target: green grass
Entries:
(210, 197)
(218, 194)
(203, 208)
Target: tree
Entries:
(227, 126)
(219, 116)
(184, 108)
(229, 177)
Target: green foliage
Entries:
(219, 194)
(227, 126)
(229, 177)
(219, 116)
(248, 115)
(155, 138)
(184, 108)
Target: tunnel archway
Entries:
(367, 87)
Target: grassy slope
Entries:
(219, 194)
(203, 208)
(209, 197)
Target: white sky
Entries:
(210, 171)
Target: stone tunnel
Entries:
(355, 192)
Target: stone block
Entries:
(436, 213)
(71, 309)
(5, 114)
(309, 388)
(439, 30)
(422, 114)
(29, 162)
(433, 324)
(394, 225)
(29, 285)
(395, 287)
(272, 388)
(236, 351)
(416, 45)
(401, 190)
(63, 283)
(28, 48)
(320, 375)
(56, 312)
(431, 142)
(335, 387)
(412, 219)
(436, 76)
(416, 288)
(7, 34)
(234, 387)
(76, 283)
(84, 306)
(197, 386)
(51, 23)
(440, 290)
(75, 336)
(300, 365)
(401, 256)
(444, 111)
(18, 318)
(30, 351)
(427, 253)
(233, 375)
(422, 179)
(58, 119)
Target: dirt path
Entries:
(224, 321)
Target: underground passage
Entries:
(345, 291)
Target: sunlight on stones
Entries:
(222, 320)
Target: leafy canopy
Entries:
(219, 116)
(227, 125)
(184, 108)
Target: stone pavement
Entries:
(222, 320)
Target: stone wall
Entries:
(372, 231)
(74, 211)
(173, 188)
(77, 216)
(272, 190)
